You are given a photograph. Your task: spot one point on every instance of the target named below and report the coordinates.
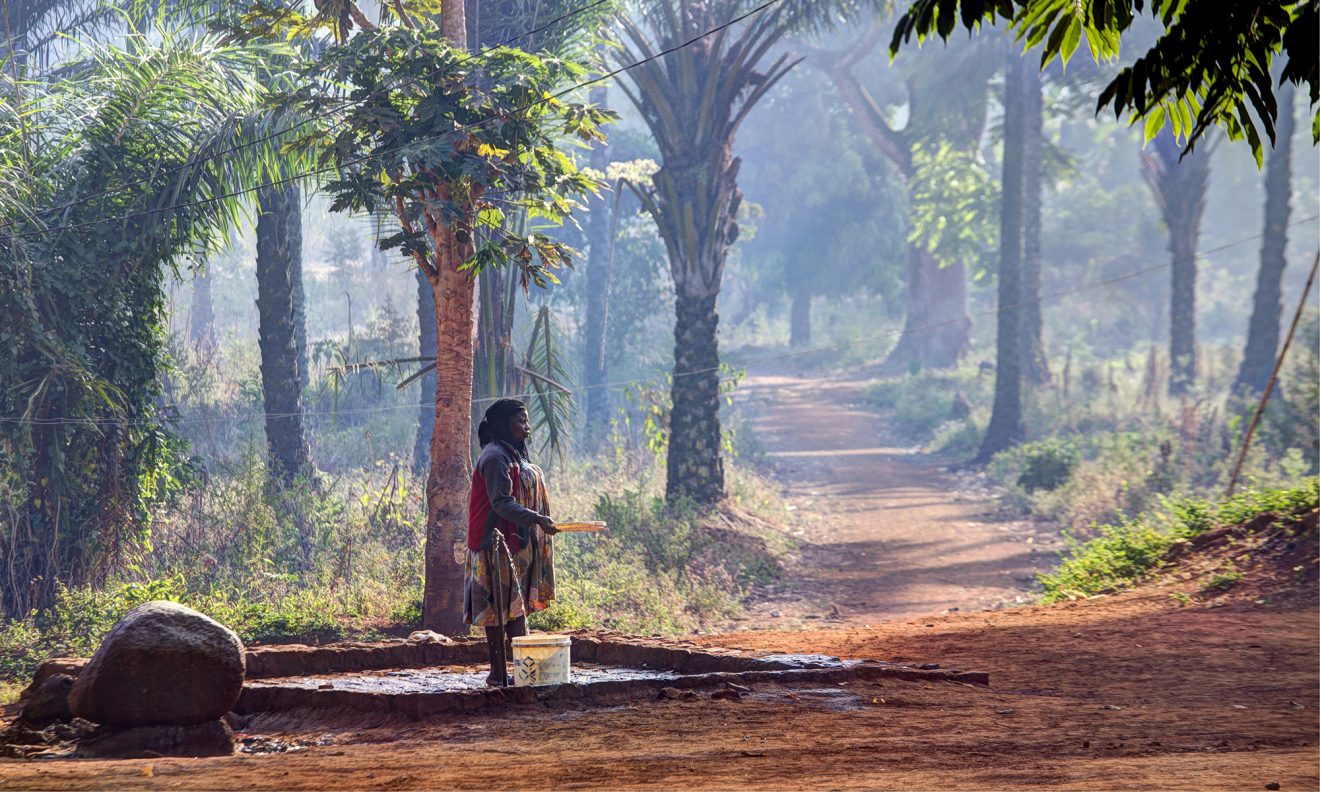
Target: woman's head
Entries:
(506, 420)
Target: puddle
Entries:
(444, 679)
(263, 746)
(809, 660)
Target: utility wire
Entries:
(620, 384)
(315, 117)
(367, 157)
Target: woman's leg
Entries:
(514, 628)
(498, 672)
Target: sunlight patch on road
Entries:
(828, 452)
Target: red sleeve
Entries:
(478, 511)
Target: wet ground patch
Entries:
(421, 680)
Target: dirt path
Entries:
(887, 532)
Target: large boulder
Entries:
(49, 703)
(163, 664)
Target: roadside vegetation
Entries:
(1123, 554)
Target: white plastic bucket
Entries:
(541, 659)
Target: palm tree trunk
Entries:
(696, 211)
(1267, 305)
(695, 467)
(1035, 363)
(279, 254)
(426, 392)
(1179, 184)
(300, 298)
(599, 246)
(1006, 428)
(1182, 314)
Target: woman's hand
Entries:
(547, 524)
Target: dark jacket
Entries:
(493, 503)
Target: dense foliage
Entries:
(111, 183)
(1212, 66)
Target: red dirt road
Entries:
(887, 533)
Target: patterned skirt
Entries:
(528, 583)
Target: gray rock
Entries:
(48, 703)
(213, 738)
(163, 664)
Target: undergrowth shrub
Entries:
(929, 400)
(1121, 554)
(658, 569)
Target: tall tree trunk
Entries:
(1179, 184)
(1035, 363)
(1267, 305)
(695, 466)
(706, 188)
(426, 391)
(1182, 314)
(1006, 428)
(300, 297)
(599, 248)
(279, 253)
(937, 329)
(454, 296)
(799, 323)
(201, 319)
(451, 440)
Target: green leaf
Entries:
(1154, 122)
(1071, 39)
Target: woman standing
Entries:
(510, 560)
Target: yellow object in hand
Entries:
(580, 526)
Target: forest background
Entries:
(299, 512)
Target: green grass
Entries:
(1122, 554)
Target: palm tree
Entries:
(283, 364)
(1179, 182)
(86, 343)
(693, 99)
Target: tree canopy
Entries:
(1213, 65)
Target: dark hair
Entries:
(495, 425)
